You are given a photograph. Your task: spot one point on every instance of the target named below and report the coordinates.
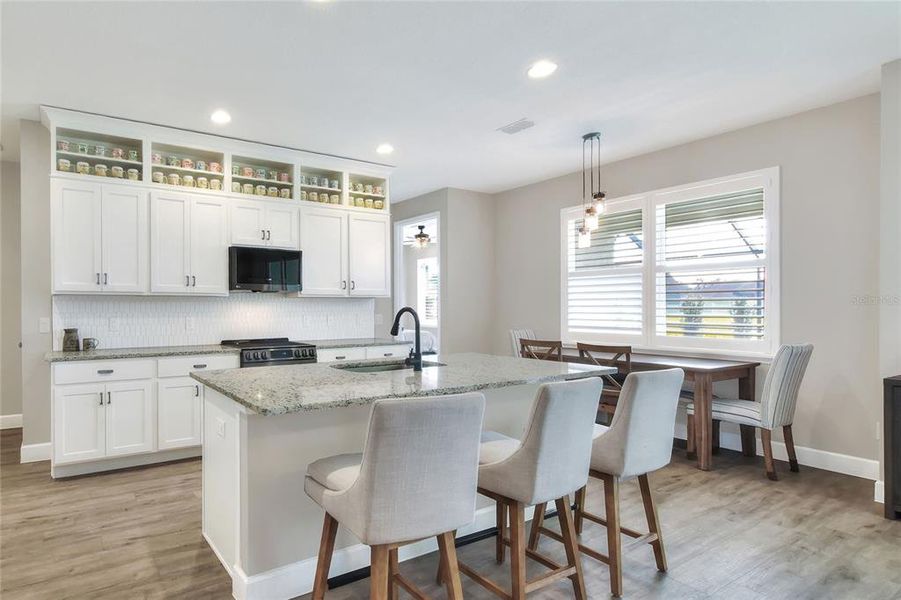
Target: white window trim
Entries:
(648, 341)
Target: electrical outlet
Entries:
(44, 325)
(220, 428)
(113, 324)
(189, 324)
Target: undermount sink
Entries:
(394, 366)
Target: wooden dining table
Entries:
(702, 373)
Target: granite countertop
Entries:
(150, 352)
(294, 388)
(355, 342)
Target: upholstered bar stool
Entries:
(549, 463)
(638, 441)
(415, 479)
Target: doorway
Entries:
(418, 277)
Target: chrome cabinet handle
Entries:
(262, 234)
(98, 278)
(389, 354)
(105, 278)
(109, 397)
(187, 280)
(353, 284)
(197, 391)
(343, 284)
(268, 234)
(104, 371)
(340, 357)
(200, 366)
(193, 280)
(101, 398)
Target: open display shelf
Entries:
(187, 167)
(249, 173)
(365, 191)
(313, 189)
(81, 152)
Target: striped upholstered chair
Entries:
(775, 409)
(519, 334)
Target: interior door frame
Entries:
(400, 275)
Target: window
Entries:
(693, 267)
(427, 291)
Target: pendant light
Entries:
(591, 193)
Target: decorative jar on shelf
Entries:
(70, 340)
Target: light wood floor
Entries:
(730, 533)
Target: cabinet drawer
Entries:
(331, 354)
(181, 366)
(396, 351)
(91, 371)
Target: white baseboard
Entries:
(811, 457)
(296, 579)
(34, 452)
(879, 491)
(124, 462)
(10, 421)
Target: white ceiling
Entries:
(436, 79)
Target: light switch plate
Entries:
(44, 325)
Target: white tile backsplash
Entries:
(143, 321)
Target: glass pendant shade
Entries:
(591, 218)
(584, 239)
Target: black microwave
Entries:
(264, 270)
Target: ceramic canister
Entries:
(215, 184)
(284, 193)
(247, 188)
(133, 174)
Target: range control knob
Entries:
(297, 353)
(264, 355)
(256, 355)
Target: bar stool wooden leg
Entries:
(766, 439)
(614, 542)
(691, 451)
(573, 557)
(501, 509)
(378, 572)
(449, 566)
(748, 441)
(326, 547)
(537, 523)
(650, 511)
(580, 508)
(393, 569)
(517, 550)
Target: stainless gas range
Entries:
(266, 352)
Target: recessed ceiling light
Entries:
(220, 117)
(385, 149)
(542, 69)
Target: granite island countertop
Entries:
(294, 388)
(163, 351)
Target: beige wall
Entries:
(35, 231)
(10, 286)
(829, 161)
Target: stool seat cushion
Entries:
(496, 447)
(733, 410)
(337, 472)
(599, 430)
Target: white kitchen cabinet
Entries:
(333, 354)
(180, 402)
(188, 244)
(369, 254)
(99, 237)
(394, 351)
(323, 241)
(264, 224)
(130, 417)
(79, 430)
(345, 254)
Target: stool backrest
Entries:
(420, 466)
(553, 458)
(780, 390)
(640, 437)
(520, 334)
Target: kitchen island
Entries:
(263, 426)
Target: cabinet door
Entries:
(125, 229)
(78, 423)
(180, 401)
(248, 220)
(323, 241)
(76, 236)
(130, 417)
(209, 246)
(282, 226)
(369, 243)
(169, 242)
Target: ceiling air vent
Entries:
(516, 126)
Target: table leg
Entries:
(703, 420)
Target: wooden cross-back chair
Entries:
(613, 384)
(541, 349)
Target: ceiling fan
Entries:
(420, 240)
